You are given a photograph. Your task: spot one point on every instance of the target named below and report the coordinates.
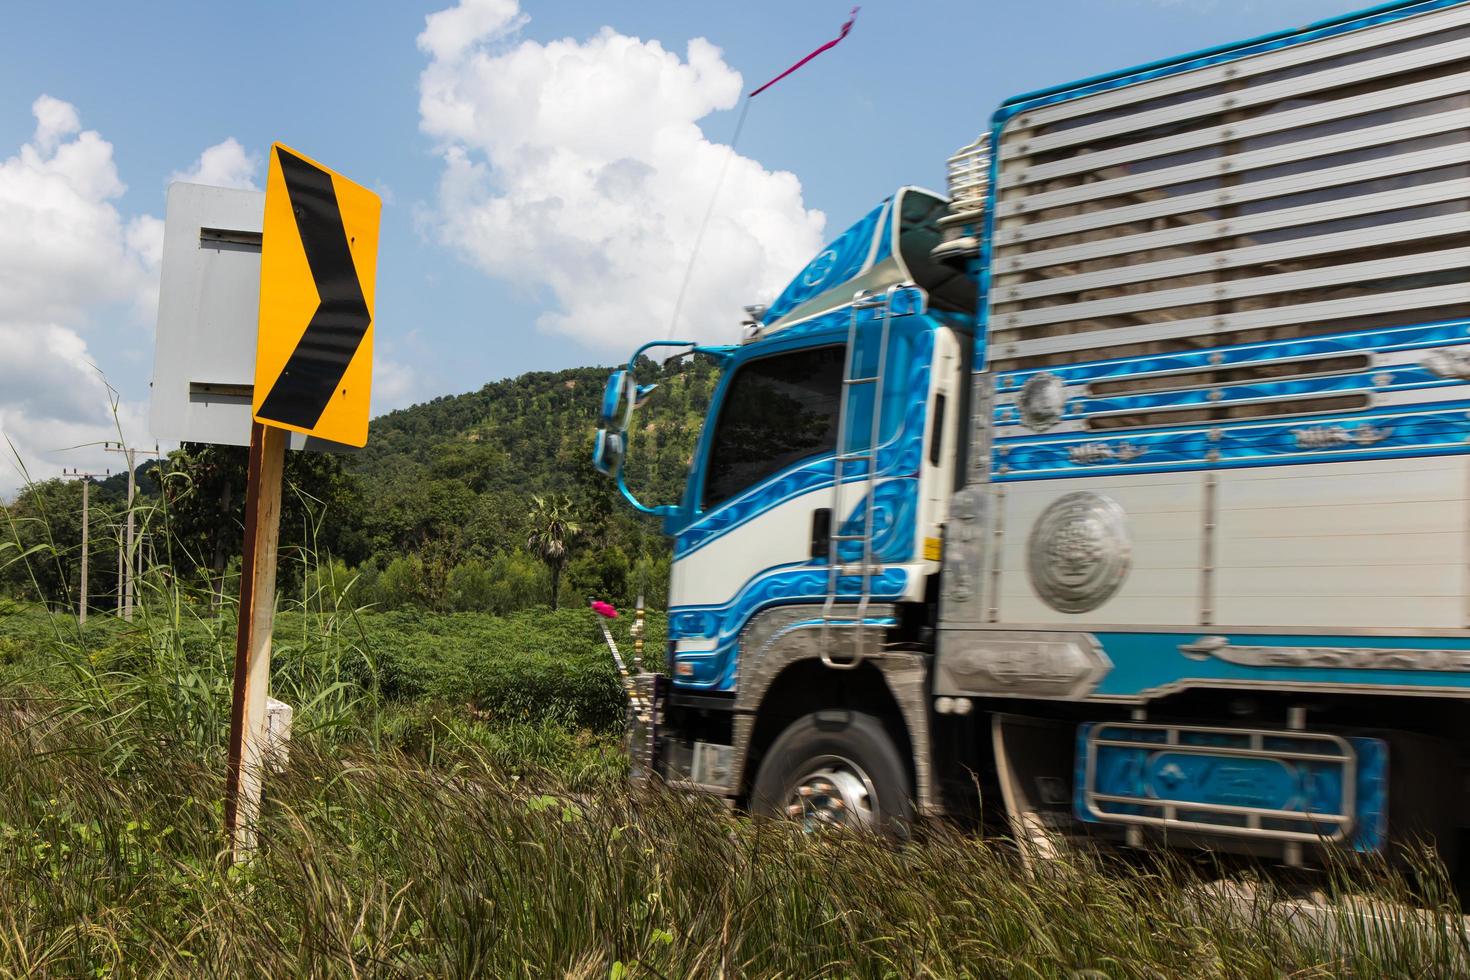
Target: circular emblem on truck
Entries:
(1078, 553)
(1041, 402)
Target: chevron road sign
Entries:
(318, 264)
(313, 375)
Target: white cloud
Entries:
(54, 398)
(66, 257)
(449, 33)
(54, 119)
(76, 276)
(578, 167)
(395, 384)
(63, 245)
(225, 164)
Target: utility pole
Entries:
(86, 479)
(130, 563)
(118, 528)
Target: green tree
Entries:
(518, 582)
(203, 487)
(552, 528)
(602, 574)
(468, 587)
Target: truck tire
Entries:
(835, 769)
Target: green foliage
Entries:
(41, 544)
(532, 666)
(441, 863)
(454, 804)
(327, 585)
(469, 587)
(404, 583)
(650, 578)
(203, 495)
(459, 476)
(518, 582)
(602, 574)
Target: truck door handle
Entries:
(821, 532)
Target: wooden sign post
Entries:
(253, 636)
(313, 375)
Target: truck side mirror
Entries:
(617, 405)
(607, 452)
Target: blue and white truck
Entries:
(1128, 486)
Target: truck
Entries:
(1124, 489)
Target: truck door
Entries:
(760, 498)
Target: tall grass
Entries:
(377, 863)
(454, 806)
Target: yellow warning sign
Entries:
(318, 266)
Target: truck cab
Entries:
(810, 523)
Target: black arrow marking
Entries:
(316, 366)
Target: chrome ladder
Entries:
(868, 456)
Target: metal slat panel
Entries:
(1322, 146)
(1276, 122)
(1444, 190)
(1336, 275)
(1260, 190)
(1355, 306)
(1236, 71)
(1231, 102)
(1355, 239)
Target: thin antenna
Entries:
(730, 152)
(708, 214)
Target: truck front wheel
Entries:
(835, 769)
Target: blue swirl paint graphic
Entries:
(895, 507)
(842, 260)
(716, 669)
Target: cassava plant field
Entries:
(455, 804)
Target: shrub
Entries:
(517, 581)
(327, 585)
(469, 587)
(404, 583)
(531, 666)
(601, 574)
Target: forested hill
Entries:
(455, 476)
(533, 433)
(435, 512)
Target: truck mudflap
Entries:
(1292, 786)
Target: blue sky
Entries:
(540, 164)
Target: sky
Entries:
(544, 166)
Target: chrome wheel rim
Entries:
(833, 792)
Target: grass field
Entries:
(454, 806)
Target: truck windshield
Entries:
(777, 411)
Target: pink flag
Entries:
(830, 44)
(604, 610)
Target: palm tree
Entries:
(551, 528)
